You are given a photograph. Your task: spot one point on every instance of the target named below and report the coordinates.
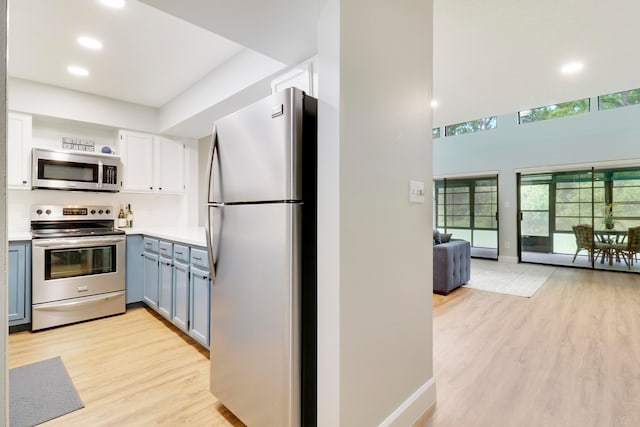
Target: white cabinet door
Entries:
(169, 165)
(19, 151)
(151, 163)
(137, 160)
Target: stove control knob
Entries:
(93, 211)
(39, 211)
(100, 211)
(48, 211)
(108, 211)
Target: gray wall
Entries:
(597, 137)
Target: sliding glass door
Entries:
(579, 218)
(468, 209)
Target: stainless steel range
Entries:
(78, 264)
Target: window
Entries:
(576, 195)
(554, 111)
(435, 133)
(619, 99)
(468, 208)
(471, 126)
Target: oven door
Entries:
(64, 268)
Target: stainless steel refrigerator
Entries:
(261, 236)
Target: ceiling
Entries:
(148, 56)
(492, 57)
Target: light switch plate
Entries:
(416, 192)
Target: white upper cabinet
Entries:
(19, 151)
(136, 153)
(151, 163)
(169, 170)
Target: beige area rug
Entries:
(522, 280)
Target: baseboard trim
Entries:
(508, 259)
(415, 407)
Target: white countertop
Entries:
(15, 236)
(189, 235)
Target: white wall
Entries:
(375, 260)
(203, 154)
(223, 82)
(594, 138)
(46, 100)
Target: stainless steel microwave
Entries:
(65, 170)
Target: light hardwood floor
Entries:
(568, 356)
(130, 370)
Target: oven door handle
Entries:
(77, 303)
(74, 243)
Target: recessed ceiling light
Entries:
(113, 3)
(434, 103)
(572, 67)
(90, 43)
(78, 71)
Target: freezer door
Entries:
(255, 153)
(255, 314)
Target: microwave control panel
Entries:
(109, 174)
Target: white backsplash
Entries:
(149, 210)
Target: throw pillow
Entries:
(445, 237)
(436, 237)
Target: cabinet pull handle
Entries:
(197, 258)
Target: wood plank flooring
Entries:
(568, 356)
(130, 370)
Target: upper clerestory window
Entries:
(554, 111)
(435, 133)
(619, 99)
(485, 123)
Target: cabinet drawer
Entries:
(181, 253)
(150, 245)
(200, 258)
(166, 249)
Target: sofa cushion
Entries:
(436, 237)
(445, 237)
(451, 265)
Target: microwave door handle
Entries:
(100, 173)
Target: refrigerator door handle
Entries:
(212, 152)
(212, 260)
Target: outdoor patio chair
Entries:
(585, 241)
(630, 249)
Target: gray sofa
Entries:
(451, 265)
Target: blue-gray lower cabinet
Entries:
(151, 272)
(19, 292)
(165, 287)
(135, 269)
(181, 287)
(200, 300)
(174, 280)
